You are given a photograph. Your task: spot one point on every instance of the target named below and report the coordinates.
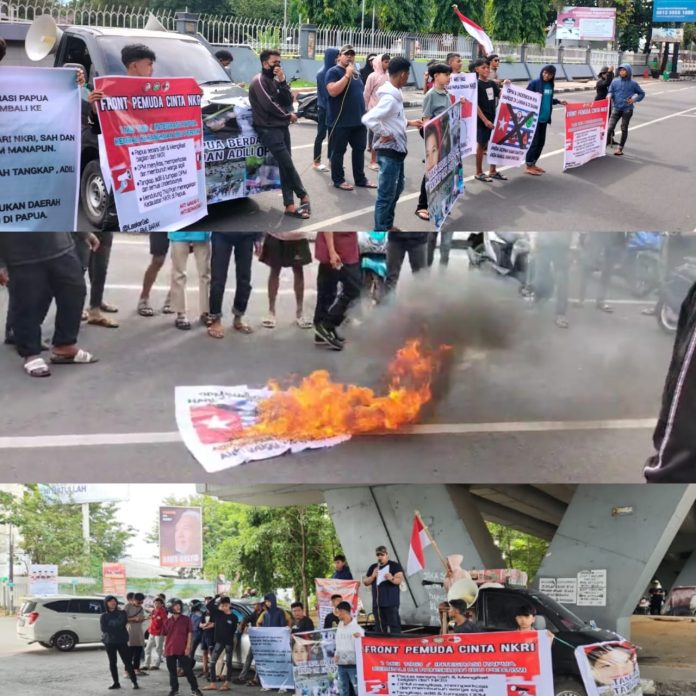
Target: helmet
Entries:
(172, 602)
(195, 605)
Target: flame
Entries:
(320, 408)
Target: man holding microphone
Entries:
(385, 577)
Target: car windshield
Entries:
(176, 57)
(568, 620)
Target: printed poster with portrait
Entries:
(181, 537)
(609, 669)
(444, 176)
(314, 670)
(464, 86)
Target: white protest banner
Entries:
(609, 669)
(40, 135)
(515, 124)
(43, 579)
(464, 85)
(327, 587)
(472, 664)
(272, 656)
(214, 422)
(592, 588)
(153, 138)
(314, 669)
(563, 590)
(585, 132)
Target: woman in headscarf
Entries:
(375, 80)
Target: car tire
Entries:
(45, 645)
(567, 686)
(65, 641)
(93, 194)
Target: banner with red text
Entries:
(153, 136)
(609, 669)
(506, 663)
(585, 132)
(114, 579)
(327, 587)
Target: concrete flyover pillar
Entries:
(688, 572)
(625, 530)
(366, 517)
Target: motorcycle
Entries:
(505, 253)
(640, 265)
(373, 263)
(307, 107)
(673, 293)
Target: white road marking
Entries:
(161, 438)
(324, 224)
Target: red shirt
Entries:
(177, 631)
(346, 244)
(157, 619)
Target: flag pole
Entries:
(443, 560)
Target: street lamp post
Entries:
(285, 23)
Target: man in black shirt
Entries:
(385, 577)
(301, 623)
(488, 94)
(331, 620)
(463, 620)
(225, 622)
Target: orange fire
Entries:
(319, 408)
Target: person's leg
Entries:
(339, 144)
(273, 286)
(608, 261)
(272, 138)
(358, 144)
(221, 245)
(98, 269)
(298, 286)
(381, 623)
(432, 245)
(125, 654)
(29, 284)
(159, 644)
(68, 288)
(201, 253)
(395, 259)
(229, 652)
(344, 680)
(243, 261)
(149, 649)
(626, 117)
(246, 670)
(397, 192)
(112, 654)
(445, 247)
(321, 134)
(186, 664)
(159, 247)
(173, 675)
(350, 279)
(479, 159)
(137, 653)
(422, 205)
(295, 181)
(217, 651)
(418, 257)
(561, 268)
(392, 619)
(614, 118)
(387, 192)
(179, 257)
(352, 673)
(327, 288)
(536, 146)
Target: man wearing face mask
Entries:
(346, 108)
(271, 109)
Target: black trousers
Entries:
(337, 290)
(538, 142)
(396, 253)
(356, 137)
(98, 268)
(217, 651)
(322, 130)
(223, 245)
(32, 286)
(277, 140)
(625, 118)
(110, 220)
(113, 652)
(185, 663)
(137, 652)
(388, 620)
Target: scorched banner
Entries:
(468, 664)
(515, 124)
(327, 587)
(216, 424)
(153, 137)
(585, 132)
(464, 86)
(39, 149)
(609, 669)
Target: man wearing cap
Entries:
(346, 107)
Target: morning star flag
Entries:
(475, 31)
(419, 542)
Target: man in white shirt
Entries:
(347, 631)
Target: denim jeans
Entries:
(390, 186)
(625, 118)
(223, 244)
(348, 679)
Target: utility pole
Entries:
(85, 527)
(10, 569)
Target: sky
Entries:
(141, 510)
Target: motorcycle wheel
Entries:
(644, 277)
(373, 286)
(666, 318)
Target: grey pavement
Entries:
(645, 190)
(540, 404)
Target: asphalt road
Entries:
(533, 403)
(644, 190)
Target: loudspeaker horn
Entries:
(465, 589)
(42, 38)
(153, 24)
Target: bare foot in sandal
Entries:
(240, 325)
(423, 214)
(35, 366)
(216, 330)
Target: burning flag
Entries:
(475, 31)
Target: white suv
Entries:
(60, 621)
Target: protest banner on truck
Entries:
(465, 85)
(506, 663)
(153, 139)
(40, 136)
(272, 657)
(444, 177)
(314, 671)
(585, 132)
(214, 421)
(609, 669)
(181, 537)
(515, 124)
(327, 587)
(43, 579)
(114, 579)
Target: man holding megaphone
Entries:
(385, 577)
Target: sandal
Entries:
(102, 321)
(206, 319)
(319, 167)
(498, 176)
(242, 327)
(144, 309)
(619, 152)
(304, 323)
(345, 186)
(167, 308)
(108, 308)
(483, 177)
(368, 185)
(374, 167)
(82, 357)
(532, 172)
(216, 330)
(182, 323)
(269, 322)
(304, 205)
(37, 368)
(300, 213)
(423, 214)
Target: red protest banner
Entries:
(327, 587)
(585, 132)
(153, 140)
(506, 663)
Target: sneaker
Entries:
(135, 686)
(338, 336)
(115, 686)
(319, 341)
(173, 693)
(329, 336)
(196, 692)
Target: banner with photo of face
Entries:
(464, 85)
(313, 666)
(181, 537)
(609, 669)
(444, 176)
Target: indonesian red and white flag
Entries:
(419, 541)
(475, 31)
